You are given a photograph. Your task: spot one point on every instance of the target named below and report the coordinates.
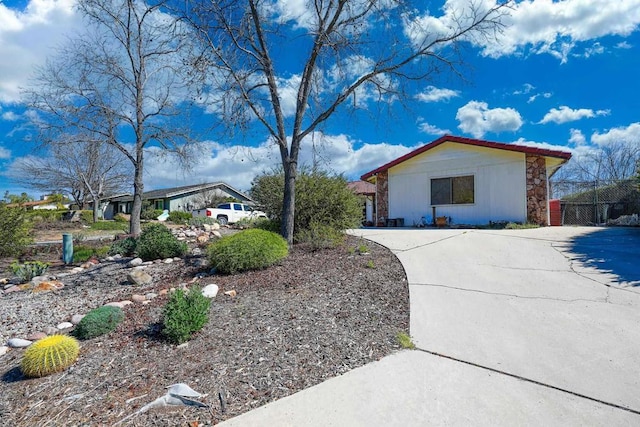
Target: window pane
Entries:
(441, 191)
(462, 189)
(237, 206)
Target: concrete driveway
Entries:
(513, 327)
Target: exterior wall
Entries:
(382, 196)
(499, 181)
(537, 190)
(368, 209)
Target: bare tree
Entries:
(348, 53)
(122, 81)
(613, 161)
(86, 169)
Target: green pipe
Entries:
(67, 248)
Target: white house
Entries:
(469, 180)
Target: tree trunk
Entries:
(289, 202)
(96, 206)
(136, 209)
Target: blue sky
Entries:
(564, 74)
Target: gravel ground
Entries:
(314, 316)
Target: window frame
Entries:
(451, 201)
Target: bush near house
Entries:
(156, 241)
(150, 214)
(15, 230)
(179, 217)
(247, 250)
(321, 198)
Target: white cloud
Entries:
(526, 89)
(434, 94)
(10, 116)
(565, 114)
(27, 38)
(288, 91)
(238, 165)
(5, 153)
(543, 145)
(430, 129)
(555, 27)
(628, 135)
(532, 98)
(596, 49)
(477, 119)
(577, 138)
(623, 45)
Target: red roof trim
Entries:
(469, 141)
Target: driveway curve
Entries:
(513, 327)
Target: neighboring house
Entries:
(471, 181)
(185, 198)
(42, 204)
(368, 192)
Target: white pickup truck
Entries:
(228, 213)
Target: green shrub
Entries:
(28, 270)
(120, 218)
(45, 215)
(267, 224)
(198, 221)
(156, 241)
(99, 321)
(150, 214)
(86, 216)
(49, 355)
(179, 217)
(110, 225)
(321, 236)
(247, 250)
(124, 247)
(185, 314)
(83, 253)
(320, 198)
(15, 230)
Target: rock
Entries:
(50, 330)
(139, 277)
(110, 258)
(215, 226)
(177, 258)
(12, 288)
(77, 270)
(207, 227)
(137, 298)
(4, 281)
(190, 233)
(38, 279)
(183, 345)
(231, 293)
(168, 261)
(117, 256)
(126, 302)
(86, 265)
(52, 285)
(145, 302)
(18, 343)
(196, 251)
(3, 350)
(140, 267)
(217, 234)
(115, 304)
(64, 325)
(76, 318)
(210, 291)
(203, 238)
(163, 291)
(151, 295)
(36, 336)
(135, 262)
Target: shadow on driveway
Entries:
(613, 250)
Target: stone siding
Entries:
(536, 189)
(382, 196)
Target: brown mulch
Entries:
(314, 316)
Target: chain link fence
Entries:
(595, 202)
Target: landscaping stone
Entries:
(135, 262)
(64, 325)
(168, 261)
(18, 343)
(231, 293)
(76, 318)
(151, 295)
(36, 336)
(126, 302)
(203, 238)
(139, 277)
(210, 291)
(11, 288)
(3, 350)
(115, 304)
(137, 298)
(196, 251)
(51, 330)
(217, 234)
(77, 270)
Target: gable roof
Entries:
(362, 187)
(564, 155)
(168, 193)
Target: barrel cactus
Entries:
(99, 321)
(49, 355)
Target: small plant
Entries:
(15, 230)
(370, 264)
(49, 355)
(363, 249)
(156, 241)
(179, 217)
(321, 236)
(405, 341)
(83, 253)
(78, 238)
(99, 321)
(351, 250)
(247, 250)
(185, 314)
(124, 247)
(150, 214)
(28, 270)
